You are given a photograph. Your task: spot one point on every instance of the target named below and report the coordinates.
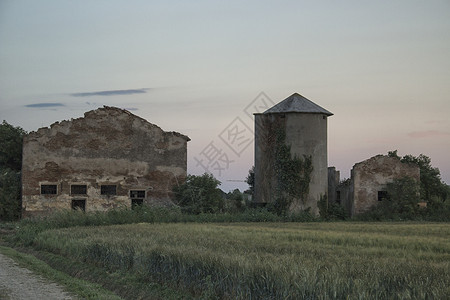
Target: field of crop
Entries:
(271, 260)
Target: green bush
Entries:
(200, 194)
(10, 186)
(234, 201)
(401, 203)
(10, 170)
(331, 210)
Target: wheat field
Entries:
(271, 260)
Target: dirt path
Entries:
(19, 283)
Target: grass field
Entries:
(270, 260)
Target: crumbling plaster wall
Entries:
(372, 175)
(107, 146)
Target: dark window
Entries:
(108, 190)
(338, 197)
(78, 189)
(136, 202)
(137, 194)
(79, 204)
(49, 189)
(137, 198)
(382, 195)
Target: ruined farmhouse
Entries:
(291, 158)
(367, 185)
(110, 158)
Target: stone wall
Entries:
(340, 192)
(333, 182)
(108, 146)
(370, 177)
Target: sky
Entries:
(203, 68)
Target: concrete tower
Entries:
(301, 126)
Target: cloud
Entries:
(44, 105)
(111, 93)
(427, 134)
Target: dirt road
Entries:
(19, 283)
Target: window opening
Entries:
(79, 204)
(137, 198)
(78, 189)
(108, 190)
(137, 194)
(382, 195)
(49, 189)
(338, 197)
(136, 202)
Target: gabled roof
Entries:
(297, 103)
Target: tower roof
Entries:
(297, 103)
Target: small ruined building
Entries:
(108, 159)
(291, 153)
(367, 185)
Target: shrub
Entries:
(199, 194)
(10, 167)
(235, 201)
(401, 202)
(331, 210)
(10, 204)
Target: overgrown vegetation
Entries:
(270, 260)
(403, 197)
(293, 175)
(431, 185)
(200, 194)
(331, 210)
(401, 202)
(250, 180)
(10, 171)
(235, 202)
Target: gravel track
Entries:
(20, 283)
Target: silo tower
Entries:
(291, 158)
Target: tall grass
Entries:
(271, 260)
(29, 228)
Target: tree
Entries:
(331, 210)
(431, 184)
(400, 203)
(10, 170)
(251, 180)
(10, 204)
(402, 197)
(200, 194)
(11, 146)
(236, 199)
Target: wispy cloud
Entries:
(427, 134)
(111, 93)
(44, 105)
